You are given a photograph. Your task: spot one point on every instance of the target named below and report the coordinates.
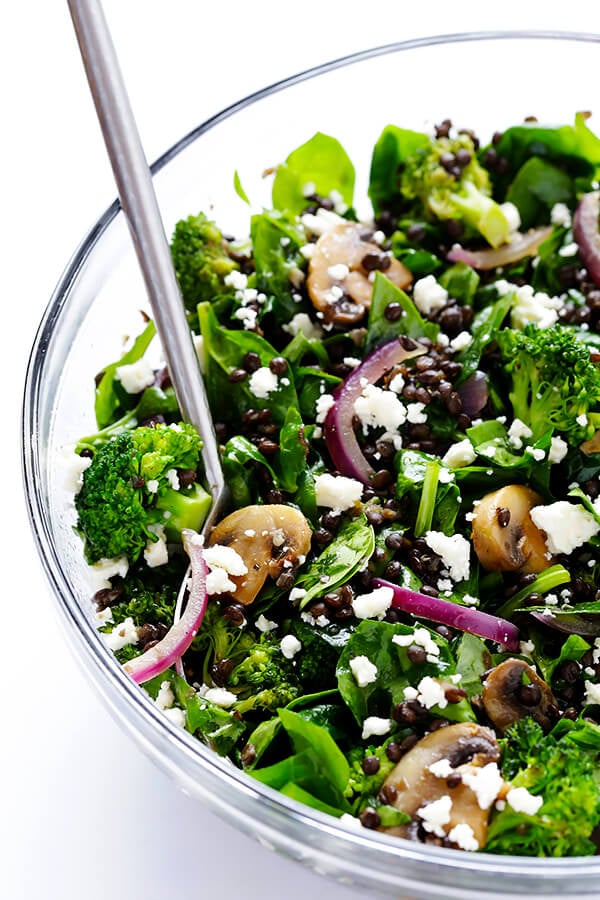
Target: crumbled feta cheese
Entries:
(378, 408)
(582, 420)
(517, 431)
(152, 485)
(248, 316)
(165, 697)
(75, 466)
(397, 384)
(122, 635)
(350, 821)
(338, 271)
(373, 605)
(220, 697)
(363, 670)
(352, 362)
(461, 341)
(537, 453)
(522, 801)
(566, 525)
(464, 837)
(296, 594)
(225, 558)
(176, 715)
(321, 222)
(512, 215)
(156, 552)
(322, 407)
(485, 782)
(560, 214)
(592, 692)
(558, 450)
(470, 600)
(454, 550)
(445, 585)
(218, 582)
(459, 454)
(429, 693)
(290, 645)
(263, 624)
(571, 249)
(104, 616)
(415, 413)
(375, 725)
(173, 479)
(236, 280)
(419, 636)
(435, 815)
(105, 569)
(526, 648)
(262, 383)
(337, 492)
(302, 322)
(441, 768)
(429, 295)
(534, 308)
(135, 376)
(445, 476)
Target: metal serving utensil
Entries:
(139, 203)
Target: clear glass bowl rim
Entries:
(583, 870)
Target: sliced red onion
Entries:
(585, 232)
(474, 393)
(586, 625)
(463, 618)
(525, 244)
(179, 637)
(342, 444)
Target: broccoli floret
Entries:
(131, 490)
(554, 383)
(447, 182)
(321, 648)
(148, 596)
(563, 774)
(264, 678)
(201, 259)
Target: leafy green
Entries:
(109, 393)
(321, 163)
(381, 330)
(341, 559)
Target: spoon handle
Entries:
(139, 203)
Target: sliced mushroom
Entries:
(504, 536)
(513, 691)
(338, 273)
(466, 747)
(270, 539)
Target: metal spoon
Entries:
(139, 203)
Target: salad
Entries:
(397, 620)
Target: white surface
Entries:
(82, 812)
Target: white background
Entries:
(82, 813)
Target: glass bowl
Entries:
(477, 80)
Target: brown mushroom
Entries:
(513, 691)
(504, 535)
(271, 539)
(466, 747)
(341, 269)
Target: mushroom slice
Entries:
(513, 691)
(338, 273)
(504, 535)
(270, 539)
(462, 748)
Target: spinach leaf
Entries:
(276, 246)
(461, 282)
(224, 350)
(261, 739)
(109, 393)
(485, 326)
(353, 544)
(472, 660)
(391, 150)
(436, 501)
(381, 330)
(420, 262)
(537, 186)
(239, 458)
(290, 459)
(395, 671)
(322, 162)
(301, 346)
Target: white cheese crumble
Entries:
(375, 725)
(464, 837)
(296, 594)
(537, 453)
(592, 692)
(321, 222)
(290, 645)
(441, 768)
(459, 454)
(363, 670)
(429, 295)
(435, 815)
(124, 634)
(454, 550)
(105, 569)
(522, 801)
(566, 525)
(415, 413)
(262, 383)
(165, 697)
(512, 215)
(236, 280)
(485, 782)
(378, 408)
(422, 638)
(156, 552)
(338, 271)
(75, 466)
(571, 249)
(337, 492)
(263, 624)
(247, 317)
(322, 407)
(152, 485)
(302, 322)
(461, 341)
(560, 214)
(225, 558)
(350, 821)
(558, 450)
(397, 384)
(531, 308)
(220, 697)
(135, 376)
(517, 432)
(176, 715)
(373, 605)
